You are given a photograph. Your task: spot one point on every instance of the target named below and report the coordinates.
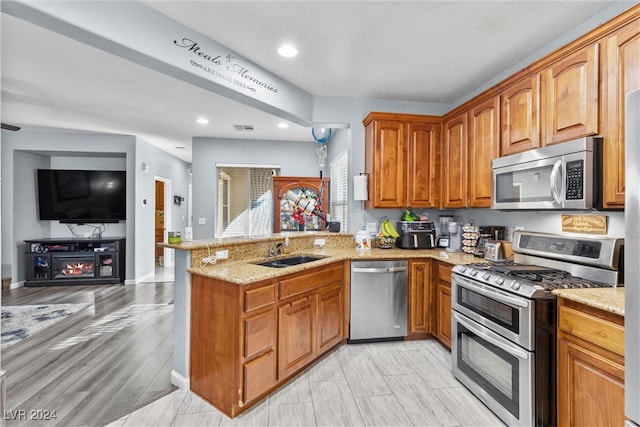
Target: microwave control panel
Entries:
(575, 180)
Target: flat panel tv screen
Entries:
(82, 196)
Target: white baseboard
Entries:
(179, 381)
(146, 278)
(17, 285)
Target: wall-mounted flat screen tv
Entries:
(82, 196)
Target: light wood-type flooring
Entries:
(111, 363)
(96, 365)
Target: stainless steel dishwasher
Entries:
(379, 297)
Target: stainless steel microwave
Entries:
(561, 176)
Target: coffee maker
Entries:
(443, 238)
(455, 237)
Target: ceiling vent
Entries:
(243, 128)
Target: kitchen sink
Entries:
(289, 261)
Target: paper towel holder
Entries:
(360, 187)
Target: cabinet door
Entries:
(385, 162)
(330, 318)
(419, 288)
(285, 211)
(484, 146)
(296, 335)
(443, 305)
(443, 330)
(520, 116)
(590, 385)
(570, 97)
(422, 160)
(622, 60)
(454, 168)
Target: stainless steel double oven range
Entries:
(504, 319)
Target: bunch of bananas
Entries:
(387, 229)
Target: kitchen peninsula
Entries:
(237, 312)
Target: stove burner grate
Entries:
(546, 277)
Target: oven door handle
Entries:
(498, 296)
(506, 346)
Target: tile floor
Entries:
(380, 384)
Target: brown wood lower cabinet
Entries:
(442, 322)
(295, 330)
(420, 300)
(248, 340)
(590, 366)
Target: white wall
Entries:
(159, 164)
(23, 152)
(296, 158)
(353, 111)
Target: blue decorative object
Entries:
(321, 135)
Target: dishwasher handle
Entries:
(378, 270)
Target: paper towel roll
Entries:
(360, 187)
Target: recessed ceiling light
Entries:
(202, 121)
(287, 51)
(283, 125)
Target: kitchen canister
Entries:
(363, 242)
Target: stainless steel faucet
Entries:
(276, 249)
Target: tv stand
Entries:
(53, 262)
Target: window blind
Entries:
(245, 201)
(339, 184)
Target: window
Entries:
(245, 200)
(339, 185)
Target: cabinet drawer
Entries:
(300, 283)
(259, 375)
(257, 298)
(444, 272)
(598, 327)
(259, 333)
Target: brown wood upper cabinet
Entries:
(401, 160)
(484, 146)
(471, 140)
(570, 98)
(520, 116)
(621, 59)
(454, 162)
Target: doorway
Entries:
(163, 258)
(159, 223)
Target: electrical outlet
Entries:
(319, 243)
(223, 254)
(202, 221)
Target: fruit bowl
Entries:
(384, 242)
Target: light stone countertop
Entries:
(244, 271)
(608, 299)
(192, 245)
